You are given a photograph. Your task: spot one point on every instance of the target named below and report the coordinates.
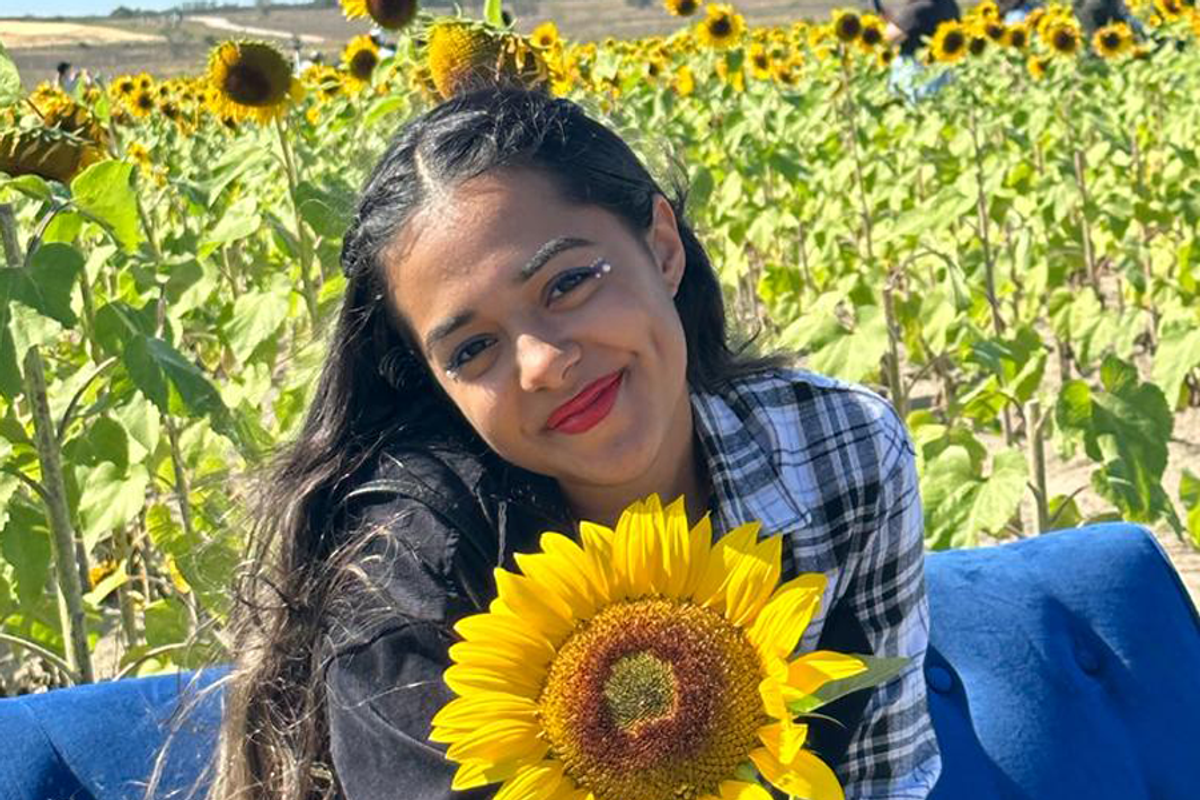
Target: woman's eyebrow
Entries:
(543, 256)
(548, 251)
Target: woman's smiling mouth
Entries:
(588, 408)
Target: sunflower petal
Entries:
(752, 570)
(479, 708)
(700, 546)
(465, 679)
(804, 776)
(813, 670)
(711, 591)
(559, 573)
(637, 553)
(534, 782)
(474, 774)
(598, 545)
(784, 618)
(500, 741)
(527, 600)
(508, 630)
(784, 738)
(741, 790)
(676, 549)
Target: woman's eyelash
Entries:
(598, 268)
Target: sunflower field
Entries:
(1001, 234)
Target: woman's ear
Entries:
(666, 245)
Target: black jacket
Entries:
(444, 520)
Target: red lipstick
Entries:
(586, 410)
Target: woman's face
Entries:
(551, 326)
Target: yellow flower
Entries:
(360, 58)
(389, 14)
(141, 103)
(545, 35)
(760, 61)
(1169, 9)
(722, 27)
(682, 8)
(1113, 40)
(48, 152)
(685, 82)
(949, 42)
(1037, 66)
(644, 663)
(872, 35)
(1063, 38)
(462, 54)
(847, 25)
(253, 81)
(1016, 37)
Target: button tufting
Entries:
(1089, 662)
(939, 679)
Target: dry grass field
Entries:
(163, 45)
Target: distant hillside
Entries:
(183, 41)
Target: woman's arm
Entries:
(384, 686)
(894, 753)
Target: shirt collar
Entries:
(743, 467)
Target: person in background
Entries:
(910, 23)
(1095, 14)
(1014, 12)
(66, 78)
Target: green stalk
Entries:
(892, 367)
(306, 279)
(62, 538)
(183, 498)
(8, 232)
(1035, 442)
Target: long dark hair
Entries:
(375, 388)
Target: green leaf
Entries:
(25, 545)
(32, 186)
(324, 218)
(118, 324)
(257, 316)
(10, 79)
(1125, 427)
(110, 498)
(880, 670)
(1189, 493)
(239, 221)
(1178, 354)
(169, 380)
(491, 13)
(105, 192)
(856, 356)
(999, 497)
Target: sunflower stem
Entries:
(306, 280)
(62, 539)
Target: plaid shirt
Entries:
(830, 465)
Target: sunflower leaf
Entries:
(880, 670)
(10, 79)
(491, 13)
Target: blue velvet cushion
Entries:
(1064, 666)
(1060, 667)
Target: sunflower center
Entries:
(247, 84)
(363, 64)
(653, 699)
(720, 26)
(641, 688)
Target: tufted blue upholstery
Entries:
(1061, 667)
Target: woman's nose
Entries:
(543, 363)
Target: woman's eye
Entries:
(571, 280)
(463, 355)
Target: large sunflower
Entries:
(390, 14)
(1063, 39)
(847, 25)
(252, 79)
(360, 58)
(647, 663)
(682, 8)
(722, 27)
(1113, 40)
(949, 42)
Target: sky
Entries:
(80, 8)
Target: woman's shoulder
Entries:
(796, 407)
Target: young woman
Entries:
(532, 335)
